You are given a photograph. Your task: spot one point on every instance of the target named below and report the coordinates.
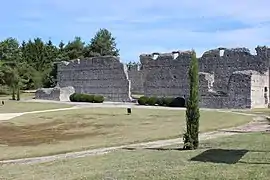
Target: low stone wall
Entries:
(55, 94)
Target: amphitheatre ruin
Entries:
(228, 78)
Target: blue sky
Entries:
(142, 26)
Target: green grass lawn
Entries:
(259, 111)
(22, 96)
(250, 153)
(66, 131)
(17, 106)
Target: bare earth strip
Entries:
(259, 124)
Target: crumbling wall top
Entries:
(263, 51)
(247, 72)
(171, 56)
(218, 52)
(102, 60)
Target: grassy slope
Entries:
(152, 164)
(66, 131)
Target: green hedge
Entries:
(143, 100)
(163, 101)
(77, 97)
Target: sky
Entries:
(142, 26)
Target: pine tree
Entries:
(103, 44)
(191, 137)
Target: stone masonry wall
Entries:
(105, 76)
(55, 94)
(167, 75)
(259, 90)
(136, 77)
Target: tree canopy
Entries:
(31, 63)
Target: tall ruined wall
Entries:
(259, 90)
(223, 62)
(105, 76)
(136, 77)
(167, 75)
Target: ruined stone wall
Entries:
(223, 62)
(259, 90)
(167, 75)
(54, 94)
(239, 89)
(105, 76)
(136, 77)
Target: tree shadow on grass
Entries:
(161, 148)
(227, 156)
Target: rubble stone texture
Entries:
(136, 77)
(55, 94)
(105, 76)
(228, 78)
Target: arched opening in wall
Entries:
(178, 102)
(265, 89)
(221, 52)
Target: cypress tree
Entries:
(191, 137)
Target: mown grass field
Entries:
(66, 131)
(238, 157)
(18, 107)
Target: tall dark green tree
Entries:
(191, 137)
(102, 44)
(74, 49)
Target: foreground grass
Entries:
(82, 129)
(258, 111)
(261, 111)
(17, 106)
(168, 164)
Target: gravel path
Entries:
(259, 124)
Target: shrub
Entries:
(178, 102)
(89, 98)
(160, 101)
(152, 101)
(71, 97)
(77, 97)
(83, 97)
(98, 99)
(167, 101)
(74, 97)
(142, 100)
